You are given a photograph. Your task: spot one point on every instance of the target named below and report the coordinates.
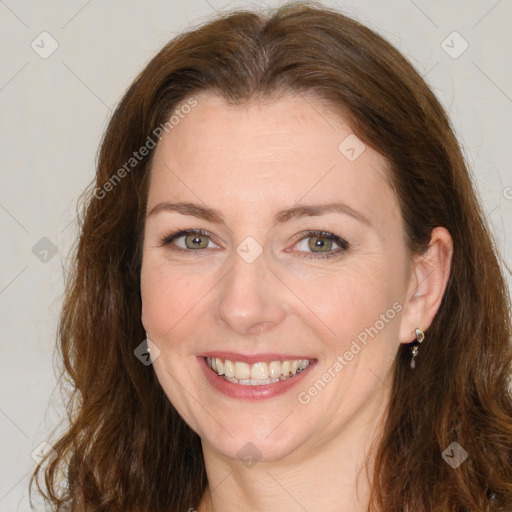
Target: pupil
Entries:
(196, 240)
(318, 243)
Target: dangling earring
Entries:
(147, 344)
(420, 336)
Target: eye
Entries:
(320, 245)
(193, 239)
(322, 241)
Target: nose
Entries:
(250, 299)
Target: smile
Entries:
(257, 374)
(257, 381)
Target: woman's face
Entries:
(254, 286)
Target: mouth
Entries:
(254, 381)
(256, 374)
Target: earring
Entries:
(420, 336)
(147, 344)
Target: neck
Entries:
(330, 477)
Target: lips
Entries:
(251, 392)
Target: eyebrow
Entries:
(215, 216)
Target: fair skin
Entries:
(250, 162)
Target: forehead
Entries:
(245, 159)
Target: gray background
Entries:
(53, 113)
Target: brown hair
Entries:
(126, 448)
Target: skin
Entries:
(249, 162)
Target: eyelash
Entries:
(344, 245)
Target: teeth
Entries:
(251, 382)
(274, 369)
(258, 373)
(229, 368)
(242, 370)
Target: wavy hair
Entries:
(125, 447)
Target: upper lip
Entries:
(254, 358)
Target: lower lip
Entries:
(248, 392)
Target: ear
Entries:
(429, 277)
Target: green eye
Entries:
(316, 242)
(195, 242)
(193, 239)
(320, 245)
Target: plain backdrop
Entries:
(65, 65)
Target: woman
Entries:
(285, 295)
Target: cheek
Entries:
(168, 296)
(354, 303)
